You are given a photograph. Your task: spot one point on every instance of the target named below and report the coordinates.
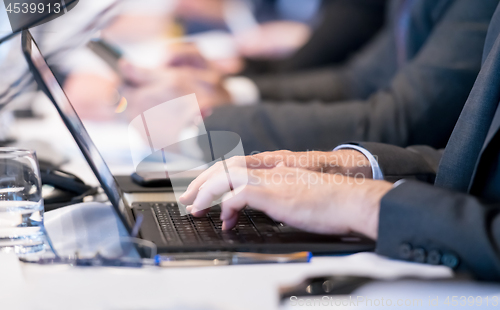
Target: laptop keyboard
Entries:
(252, 227)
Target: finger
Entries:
(186, 54)
(218, 185)
(230, 210)
(268, 160)
(230, 223)
(193, 60)
(189, 210)
(257, 161)
(209, 78)
(250, 195)
(201, 213)
(192, 191)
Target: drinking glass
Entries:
(21, 204)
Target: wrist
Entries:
(370, 195)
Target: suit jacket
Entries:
(420, 105)
(372, 68)
(456, 222)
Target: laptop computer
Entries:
(162, 222)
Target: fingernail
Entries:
(182, 196)
(224, 225)
(189, 208)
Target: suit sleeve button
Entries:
(419, 255)
(434, 258)
(405, 251)
(450, 260)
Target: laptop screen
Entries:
(75, 125)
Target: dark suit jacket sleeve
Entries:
(368, 71)
(418, 162)
(421, 106)
(424, 223)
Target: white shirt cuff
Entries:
(398, 183)
(376, 171)
(242, 90)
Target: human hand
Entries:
(267, 40)
(147, 88)
(311, 201)
(189, 54)
(346, 162)
(186, 55)
(94, 96)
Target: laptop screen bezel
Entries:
(118, 204)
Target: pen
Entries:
(199, 259)
(228, 258)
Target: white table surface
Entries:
(225, 287)
(27, 286)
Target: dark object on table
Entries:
(322, 286)
(67, 189)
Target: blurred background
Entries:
(117, 59)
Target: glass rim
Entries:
(15, 152)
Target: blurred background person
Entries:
(178, 40)
(294, 34)
(407, 86)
